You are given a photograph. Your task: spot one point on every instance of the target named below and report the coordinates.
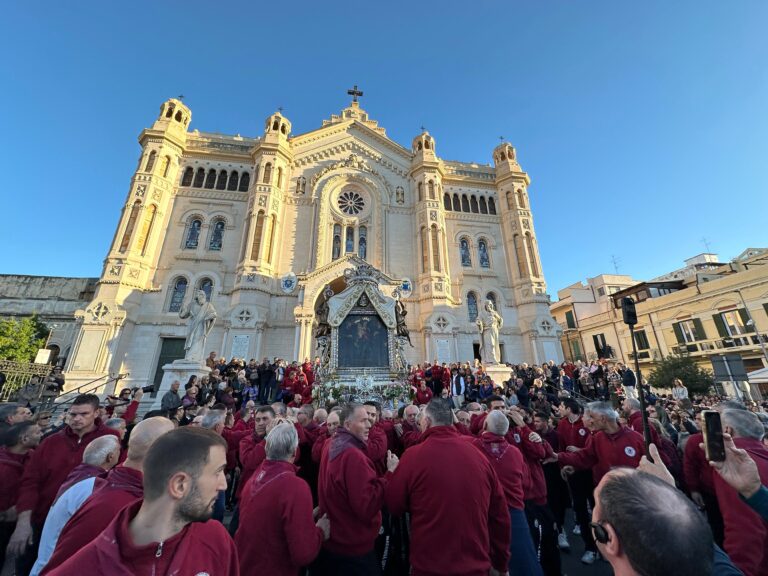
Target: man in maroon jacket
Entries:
(746, 533)
(170, 531)
(278, 535)
(468, 539)
(510, 467)
(352, 495)
(407, 431)
(49, 466)
(122, 486)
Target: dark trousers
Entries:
(330, 564)
(558, 498)
(523, 560)
(714, 517)
(541, 523)
(25, 562)
(6, 530)
(580, 483)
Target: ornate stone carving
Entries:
(141, 189)
(400, 195)
(98, 312)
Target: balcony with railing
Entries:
(649, 355)
(741, 343)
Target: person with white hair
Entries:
(100, 456)
(610, 446)
(278, 534)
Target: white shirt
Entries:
(64, 508)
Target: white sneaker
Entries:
(577, 530)
(562, 541)
(589, 557)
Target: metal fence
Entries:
(19, 374)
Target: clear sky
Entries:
(643, 125)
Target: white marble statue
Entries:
(489, 324)
(202, 316)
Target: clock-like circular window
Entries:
(351, 203)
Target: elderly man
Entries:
(171, 399)
(12, 413)
(408, 432)
(168, 532)
(352, 495)
(469, 539)
(746, 534)
(47, 470)
(679, 542)
(327, 432)
(122, 486)
(278, 535)
(510, 467)
(100, 456)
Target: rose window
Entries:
(351, 203)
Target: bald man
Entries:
(122, 486)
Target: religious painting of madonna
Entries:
(363, 342)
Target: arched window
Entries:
(464, 203)
(435, 249)
(431, 188)
(271, 236)
(362, 242)
(456, 203)
(473, 203)
(482, 253)
(510, 200)
(424, 251)
(472, 306)
(178, 116)
(199, 178)
(177, 296)
(447, 201)
(210, 180)
(146, 229)
(522, 265)
(245, 181)
(217, 235)
(257, 233)
(165, 166)
(150, 161)
(336, 253)
(221, 183)
(421, 191)
(492, 206)
(234, 179)
(256, 173)
(483, 205)
(169, 112)
(267, 173)
(520, 199)
(130, 225)
(466, 258)
(279, 177)
(189, 174)
(276, 124)
(531, 254)
(284, 129)
(492, 297)
(206, 285)
(246, 237)
(193, 234)
(349, 242)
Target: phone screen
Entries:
(713, 436)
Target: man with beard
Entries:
(169, 532)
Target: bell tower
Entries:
(272, 157)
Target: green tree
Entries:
(694, 377)
(21, 339)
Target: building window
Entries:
(221, 183)
(267, 173)
(217, 235)
(424, 251)
(245, 181)
(257, 233)
(165, 166)
(193, 234)
(447, 201)
(601, 291)
(520, 199)
(601, 346)
(473, 203)
(492, 297)
(431, 187)
(570, 322)
(199, 178)
(150, 161)
(531, 254)
(456, 203)
(464, 203)
(421, 191)
(146, 229)
(206, 285)
(483, 205)
(336, 242)
(492, 206)
(689, 331)
(279, 177)
(522, 265)
(189, 174)
(435, 249)
(362, 242)
(349, 242)
(641, 339)
(510, 201)
(466, 258)
(472, 306)
(350, 202)
(733, 323)
(177, 296)
(234, 180)
(130, 225)
(210, 180)
(482, 250)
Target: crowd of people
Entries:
(242, 473)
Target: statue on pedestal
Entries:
(400, 314)
(489, 324)
(202, 318)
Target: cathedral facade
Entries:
(265, 225)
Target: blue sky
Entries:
(643, 125)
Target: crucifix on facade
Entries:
(354, 92)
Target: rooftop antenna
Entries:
(615, 261)
(705, 241)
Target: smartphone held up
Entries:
(714, 447)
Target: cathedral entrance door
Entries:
(170, 350)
